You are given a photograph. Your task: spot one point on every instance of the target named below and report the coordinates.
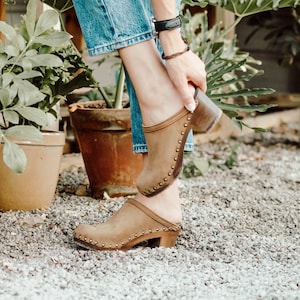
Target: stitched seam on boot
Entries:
(167, 122)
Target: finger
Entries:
(187, 95)
(200, 82)
(202, 86)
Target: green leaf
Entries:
(7, 78)
(202, 165)
(11, 116)
(229, 68)
(238, 123)
(47, 20)
(3, 60)
(11, 50)
(14, 157)
(26, 64)
(59, 5)
(24, 132)
(29, 74)
(81, 80)
(235, 80)
(33, 114)
(53, 39)
(46, 60)
(257, 129)
(232, 159)
(246, 108)
(8, 31)
(21, 42)
(5, 100)
(31, 52)
(30, 17)
(246, 7)
(27, 92)
(241, 124)
(230, 113)
(1, 47)
(243, 92)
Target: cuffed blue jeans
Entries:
(109, 25)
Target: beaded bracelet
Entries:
(166, 57)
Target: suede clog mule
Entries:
(132, 224)
(166, 140)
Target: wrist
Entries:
(176, 54)
(171, 41)
(167, 24)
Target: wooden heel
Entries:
(168, 239)
(207, 114)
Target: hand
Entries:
(186, 71)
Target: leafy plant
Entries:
(196, 167)
(226, 159)
(38, 66)
(282, 31)
(242, 8)
(224, 65)
(115, 101)
(227, 67)
(60, 5)
(114, 96)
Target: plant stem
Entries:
(108, 102)
(230, 28)
(120, 88)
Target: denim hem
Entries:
(112, 46)
(142, 148)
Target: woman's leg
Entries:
(157, 218)
(158, 100)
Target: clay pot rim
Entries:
(50, 138)
(92, 105)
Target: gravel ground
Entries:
(240, 237)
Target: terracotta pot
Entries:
(35, 188)
(105, 141)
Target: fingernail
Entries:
(191, 106)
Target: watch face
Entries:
(173, 24)
(168, 24)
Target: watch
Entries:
(169, 24)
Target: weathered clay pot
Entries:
(35, 188)
(105, 141)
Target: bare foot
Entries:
(166, 204)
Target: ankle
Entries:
(166, 204)
(167, 102)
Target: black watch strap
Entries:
(168, 24)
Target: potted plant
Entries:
(273, 36)
(102, 129)
(103, 132)
(229, 68)
(38, 66)
(281, 31)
